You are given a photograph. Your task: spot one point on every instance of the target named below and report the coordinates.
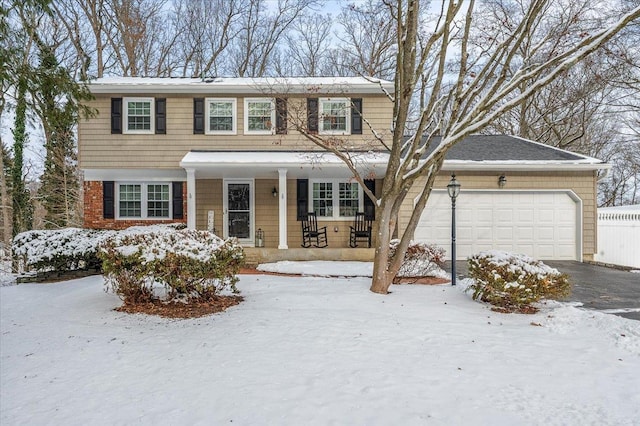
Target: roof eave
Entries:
(522, 166)
(295, 89)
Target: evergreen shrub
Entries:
(191, 266)
(512, 282)
(66, 249)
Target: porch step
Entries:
(255, 255)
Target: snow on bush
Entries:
(420, 260)
(65, 249)
(512, 282)
(191, 265)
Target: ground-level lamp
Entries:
(454, 190)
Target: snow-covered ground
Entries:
(312, 350)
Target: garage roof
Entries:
(505, 148)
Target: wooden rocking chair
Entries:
(311, 232)
(361, 230)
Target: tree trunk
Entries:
(382, 275)
(5, 200)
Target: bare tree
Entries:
(130, 37)
(367, 41)
(87, 27)
(459, 100)
(261, 30)
(203, 31)
(308, 46)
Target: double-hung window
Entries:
(221, 116)
(335, 116)
(144, 200)
(259, 116)
(138, 115)
(335, 198)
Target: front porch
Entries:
(257, 255)
(261, 198)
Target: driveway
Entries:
(596, 287)
(601, 288)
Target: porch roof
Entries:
(265, 164)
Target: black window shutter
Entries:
(302, 195)
(312, 115)
(198, 116)
(356, 116)
(161, 116)
(108, 199)
(176, 190)
(281, 116)
(116, 116)
(369, 206)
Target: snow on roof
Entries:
(634, 208)
(297, 163)
(212, 85)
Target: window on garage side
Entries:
(335, 198)
(322, 199)
(348, 198)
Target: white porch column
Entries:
(282, 209)
(191, 198)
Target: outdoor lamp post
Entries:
(453, 189)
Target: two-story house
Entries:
(223, 154)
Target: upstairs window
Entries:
(138, 115)
(335, 116)
(259, 116)
(221, 115)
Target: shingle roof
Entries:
(505, 148)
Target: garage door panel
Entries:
(545, 234)
(545, 215)
(539, 224)
(525, 233)
(504, 233)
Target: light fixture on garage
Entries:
(502, 181)
(454, 190)
(274, 192)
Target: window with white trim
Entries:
(221, 116)
(144, 200)
(335, 116)
(138, 115)
(259, 116)
(335, 198)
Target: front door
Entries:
(238, 209)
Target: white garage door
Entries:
(542, 225)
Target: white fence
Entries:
(619, 235)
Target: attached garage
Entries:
(541, 224)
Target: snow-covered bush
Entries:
(512, 282)
(65, 249)
(191, 265)
(420, 260)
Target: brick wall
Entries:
(93, 217)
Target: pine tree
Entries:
(22, 217)
(55, 98)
